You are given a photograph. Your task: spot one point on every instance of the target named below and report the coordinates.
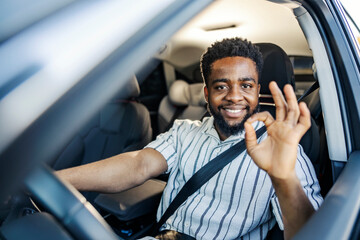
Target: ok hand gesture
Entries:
(278, 152)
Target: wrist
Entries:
(285, 181)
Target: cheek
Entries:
(215, 96)
(252, 99)
(216, 99)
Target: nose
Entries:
(234, 94)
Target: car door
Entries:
(336, 54)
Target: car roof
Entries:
(273, 23)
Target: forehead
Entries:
(230, 67)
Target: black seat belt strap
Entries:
(310, 90)
(203, 175)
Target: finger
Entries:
(304, 119)
(279, 101)
(262, 116)
(250, 136)
(293, 111)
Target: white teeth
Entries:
(233, 111)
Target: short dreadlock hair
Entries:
(229, 47)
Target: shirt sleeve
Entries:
(167, 144)
(307, 176)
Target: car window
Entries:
(351, 9)
(352, 17)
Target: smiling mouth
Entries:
(233, 110)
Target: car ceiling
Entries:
(256, 20)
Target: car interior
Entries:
(169, 86)
(185, 100)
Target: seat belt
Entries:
(311, 89)
(203, 175)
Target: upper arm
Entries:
(153, 162)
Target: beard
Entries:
(224, 127)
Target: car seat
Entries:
(184, 101)
(277, 67)
(120, 126)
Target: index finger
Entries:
(293, 111)
(279, 100)
(265, 117)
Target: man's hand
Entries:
(277, 153)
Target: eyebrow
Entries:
(226, 80)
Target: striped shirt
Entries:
(238, 202)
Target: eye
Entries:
(246, 85)
(220, 87)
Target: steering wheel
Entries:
(63, 201)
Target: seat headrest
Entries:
(131, 89)
(277, 67)
(183, 94)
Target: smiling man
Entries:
(229, 108)
(273, 181)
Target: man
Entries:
(272, 181)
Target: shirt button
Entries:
(187, 224)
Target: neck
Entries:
(222, 136)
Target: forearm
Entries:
(113, 174)
(295, 206)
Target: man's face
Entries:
(232, 93)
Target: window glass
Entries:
(352, 13)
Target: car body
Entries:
(62, 61)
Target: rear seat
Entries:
(184, 101)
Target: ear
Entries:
(206, 94)
(259, 87)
